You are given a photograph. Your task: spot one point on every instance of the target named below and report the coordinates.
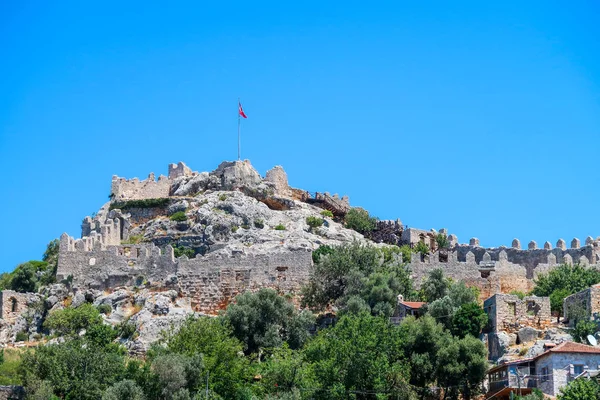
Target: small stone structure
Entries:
(12, 304)
(507, 312)
(584, 304)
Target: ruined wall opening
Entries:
(13, 304)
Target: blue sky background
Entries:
(482, 117)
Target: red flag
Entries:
(241, 110)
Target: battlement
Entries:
(211, 281)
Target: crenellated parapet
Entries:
(211, 281)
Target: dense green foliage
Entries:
(327, 213)
(563, 281)
(355, 278)
(179, 216)
(360, 220)
(184, 251)
(421, 248)
(29, 276)
(10, 360)
(265, 320)
(442, 241)
(314, 222)
(146, 203)
(580, 389)
(280, 227)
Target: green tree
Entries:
(24, 278)
(212, 337)
(572, 278)
(124, 390)
(359, 219)
(580, 389)
(461, 366)
(75, 369)
(435, 286)
(583, 329)
(556, 301)
(283, 371)
(70, 321)
(421, 340)
(360, 356)
(469, 319)
(355, 270)
(442, 241)
(264, 320)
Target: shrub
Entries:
(245, 226)
(126, 329)
(223, 197)
(146, 203)
(134, 239)
(179, 216)
(21, 337)
(234, 228)
(421, 248)
(442, 241)
(321, 251)
(314, 222)
(518, 293)
(280, 227)
(259, 223)
(360, 220)
(105, 309)
(184, 251)
(327, 213)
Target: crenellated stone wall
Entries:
(498, 270)
(210, 281)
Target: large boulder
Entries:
(499, 344)
(527, 334)
(237, 175)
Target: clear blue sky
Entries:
(482, 117)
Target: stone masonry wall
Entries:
(506, 312)
(12, 304)
(498, 270)
(134, 189)
(211, 281)
(587, 300)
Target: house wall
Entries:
(588, 300)
(561, 365)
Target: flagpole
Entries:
(239, 142)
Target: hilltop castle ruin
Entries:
(103, 259)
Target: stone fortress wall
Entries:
(99, 260)
(502, 269)
(210, 281)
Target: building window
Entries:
(512, 308)
(577, 369)
(13, 304)
(545, 375)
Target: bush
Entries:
(184, 251)
(146, 203)
(321, 251)
(360, 220)
(21, 337)
(518, 293)
(126, 329)
(327, 214)
(134, 239)
(259, 223)
(280, 227)
(223, 197)
(179, 216)
(105, 309)
(421, 248)
(314, 222)
(245, 226)
(234, 228)
(442, 241)
(10, 360)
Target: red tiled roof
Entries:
(413, 304)
(571, 347)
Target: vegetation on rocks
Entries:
(359, 219)
(179, 216)
(29, 276)
(145, 203)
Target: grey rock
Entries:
(527, 334)
(78, 299)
